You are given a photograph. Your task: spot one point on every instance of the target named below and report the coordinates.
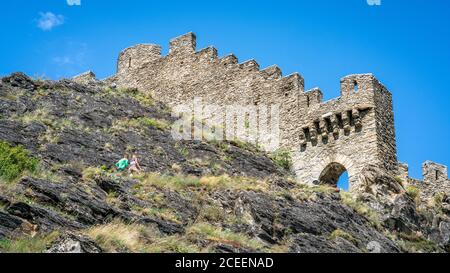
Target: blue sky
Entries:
(405, 43)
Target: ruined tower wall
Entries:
(354, 130)
(344, 131)
(435, 179)
(384, 112)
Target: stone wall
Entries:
(326, 138)
(435, 179)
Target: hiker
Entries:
(123, 163)
(134, 165)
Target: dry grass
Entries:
(339, 233)
(180, 182)
(362, 209)
(119, 237)
(37, 244)
(205, 231)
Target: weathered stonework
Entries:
(435, 179)
(326, 138)
(85, 78)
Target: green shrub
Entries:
(412, 191)
(158, 124)
(399, 180)
(14, 161)
(283, 159)
(140, 123)
(245, 145)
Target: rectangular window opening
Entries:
(307, 134)
(350, 118)
(329, 125)
(340, 121)
(317, 126)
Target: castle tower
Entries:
(347, 133)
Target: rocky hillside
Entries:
(60, 192)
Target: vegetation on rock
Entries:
(192, 196)
(14, 161)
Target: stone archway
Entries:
(331, 173)
(327, 167)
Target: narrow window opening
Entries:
(307, 134)
(307, 101)
(356, 87)
(329, 125)
(437, 174)
(129, 62)
(340, 121)
(350, 118)
(317, 125)
(303, 147)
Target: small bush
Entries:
(399, 180)
(283, 159)
(245, 145)
(339, 233)
(93, 173)
(140, 123)
(412, 191)
(14, 161)
(158, 124)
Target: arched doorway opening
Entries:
(335, 174)
(343, 183)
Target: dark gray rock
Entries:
(87, 208)
(19, 80)
(309, 243)
(45, 219)
(165, 227)
(8, 224)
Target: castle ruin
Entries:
(326, 139)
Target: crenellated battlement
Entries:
(434, 181)
(354, 130)
(184, 44)
(183, 49)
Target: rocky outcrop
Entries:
(71, 243)
(75, 128)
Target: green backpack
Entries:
(122, 164)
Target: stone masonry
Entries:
(327, 138)
(435, 179)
